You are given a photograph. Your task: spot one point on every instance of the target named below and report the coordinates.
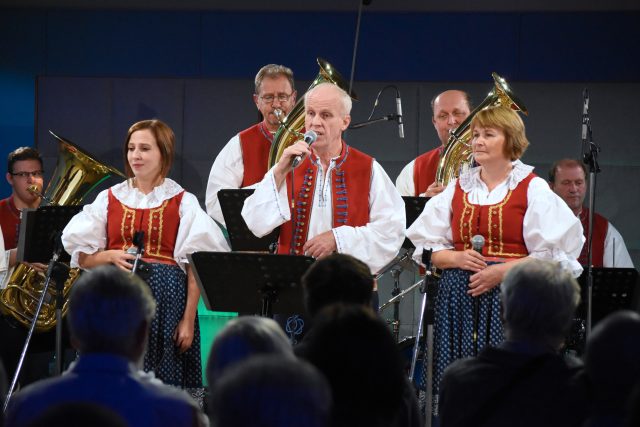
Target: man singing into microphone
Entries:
(243, 161)
(342, 200)
(450, 108)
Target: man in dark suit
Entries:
(109, 316)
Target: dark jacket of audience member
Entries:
(612, 362)
(270, 391)
(524, 382)
(78, 414)
(109, 316)
(357, 354)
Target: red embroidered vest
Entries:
(600, 227)
(255, 153)
(10, 222)
(160, 226)
(500, 224)
(424, 170)
(350, 186)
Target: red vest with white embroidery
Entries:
(424, 170)
(10, 222)
(350, 186)
(600, 227)
(500, 224)
(255, 153)
(160, 226)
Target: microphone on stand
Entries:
(399, 111)
(585, 115)
(477, 242)
(309, 137)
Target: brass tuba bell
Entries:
(292, 124)
(77, 173)
(457, 153)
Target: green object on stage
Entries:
(210, 323)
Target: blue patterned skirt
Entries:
(454, 323)
(168, 285)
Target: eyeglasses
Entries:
(282, 97)
(34, 174)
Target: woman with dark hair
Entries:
(516, 214)
(174, 226)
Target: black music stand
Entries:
(413, 208)
(612, 289)
(250, 283)
(39, 241)
(37, 227)
(241, 238)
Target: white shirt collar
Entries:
(471, 178)
(133, 197)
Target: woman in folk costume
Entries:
(174, 225)
(518, 216)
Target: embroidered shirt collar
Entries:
(131, 196)
(471, 179)
(337, 160)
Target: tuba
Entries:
(457, 154)
(77, 173)
(290, 126)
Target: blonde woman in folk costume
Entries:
(174, 225)
(517, 214)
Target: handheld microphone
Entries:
(309, 137)
(477, 242)
(585, 114)
(399, 111)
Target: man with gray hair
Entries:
(243, 161)
(524, 381)
(338, 199)
(109, 316)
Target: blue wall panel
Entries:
(129, 44)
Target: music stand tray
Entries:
(38, 228)
(250, 283)
(613, 289)
(413, 208)
(241, 238)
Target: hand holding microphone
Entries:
(309, 137)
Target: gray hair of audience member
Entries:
(539, 299)
(344, 97)
(270, 391)
(272, 71)
(244, 337)
(110, 312)
(612, 356)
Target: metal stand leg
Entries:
(395, 273)
(30, 333)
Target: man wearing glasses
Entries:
(24, 169)
(243, 161)
(450, 109)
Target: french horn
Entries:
(457, 155)
(77, 173)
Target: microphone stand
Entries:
(372, 121)
(395, 117)
(57, 273)
(590, 151)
